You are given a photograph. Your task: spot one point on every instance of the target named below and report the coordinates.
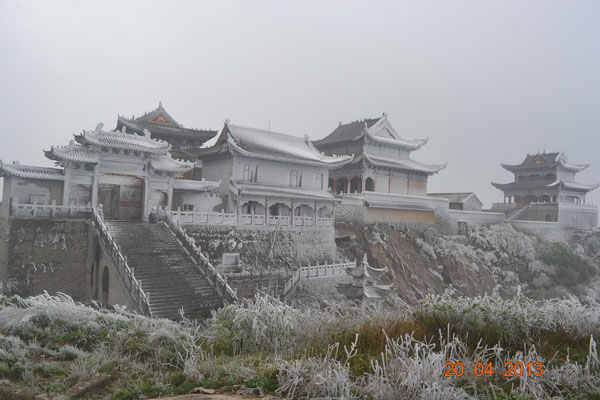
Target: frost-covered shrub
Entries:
(507, 244)
(570, 268)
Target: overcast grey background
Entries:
(487, 81)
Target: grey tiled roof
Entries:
(31, 172)
(122, 141)
(347, 132)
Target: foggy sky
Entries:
(486, 81)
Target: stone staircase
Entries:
(166, 270)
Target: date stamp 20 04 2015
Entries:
(511, 369)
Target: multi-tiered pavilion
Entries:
(544, 178)
(381, 160)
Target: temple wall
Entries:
(373, 214)
(201, 201)
(261, 247)
(476, 217)
(30, 190)
(540, 212)
(218, 169)
(585, 217)
(47, 255)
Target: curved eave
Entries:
(574, 186)
(572, 167)
(412, 145)
(197, 186)
(59, 156)
(421, 168)
(237, 149)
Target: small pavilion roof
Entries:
(160, 123)
(73, 152)
(268, 145)
(31, 172)
(121, 141)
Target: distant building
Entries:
(544, 189)
(270, 176)
(461, 201)
(544, 178)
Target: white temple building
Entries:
(271, 178)
(128, 174)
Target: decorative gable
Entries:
(161, 119)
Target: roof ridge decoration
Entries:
(119, 140)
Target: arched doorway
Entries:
(356, 185)
(92, 275)
(545, 199)
(369, 185)
(105, 284)
(330, 183)
(341, 185)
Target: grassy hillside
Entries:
(48, 343)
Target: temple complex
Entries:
(544, 189)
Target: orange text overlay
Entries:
(510, 369)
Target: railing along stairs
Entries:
(228, 294)
(514, 214)
(317, 271)
(140, 298)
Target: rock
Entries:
(13, 391)
(86, 385)
(203, 390)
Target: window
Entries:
(319, 181)
(188, 207)
(296, 178)
(250, 172)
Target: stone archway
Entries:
(105, 284)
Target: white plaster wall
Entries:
(476, 217)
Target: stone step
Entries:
(166, 270)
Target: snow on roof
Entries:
(401, 163)
(167, 164)
(377, 129)
(199, 186)
(455, 197)
(73, 152)
(574, 185)
(31, 172)
(250, 189)
(278, 146)
(122, 141)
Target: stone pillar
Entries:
(66, 184)
(95, 187)
(266, 211)
(145, 211)
(170, 195)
